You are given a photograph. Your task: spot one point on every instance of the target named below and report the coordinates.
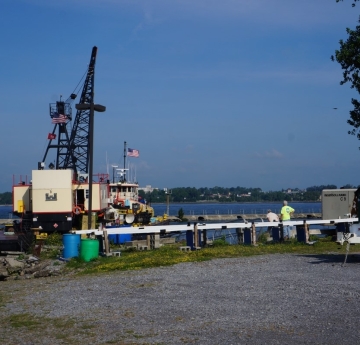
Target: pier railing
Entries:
(246, 211)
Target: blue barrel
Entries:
(275, 234)
(301, 234)
(190, 239)
(122, 238)
(113, 238)
(247, 236)
(71, 243)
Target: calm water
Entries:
(234, 208)
(214, 208)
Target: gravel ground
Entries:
(270, 299)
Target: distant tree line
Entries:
(221, 194)
(236, 194)
(6, 198)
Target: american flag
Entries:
(133, 153)
(59, 118)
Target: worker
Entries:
(286, 212)
(271, 217)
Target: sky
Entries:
(212, 93)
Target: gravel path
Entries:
(270, 299)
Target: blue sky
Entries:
(212, 93)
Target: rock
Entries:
(14, 262)
(3, 273)
(14, 270)
(31, 259)
(40, 266)
(42, 274)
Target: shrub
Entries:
(220, 242)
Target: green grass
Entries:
(170, 255)
(23, 320)
(25, 326)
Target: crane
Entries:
(73, 146)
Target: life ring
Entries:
(77, 210)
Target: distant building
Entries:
(147, 188)
(292, 191)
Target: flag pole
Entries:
(124, 160)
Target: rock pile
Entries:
(15, 266)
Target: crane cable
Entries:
(76, 88)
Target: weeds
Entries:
(170, 255)
(220, 242)
(54, 239)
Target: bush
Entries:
(54, 239)
(220, 242)
(263, 238)
(313, 238)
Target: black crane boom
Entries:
(77, 157)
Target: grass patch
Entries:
(23, 320)
(34, 326)
(170, 255)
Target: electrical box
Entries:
(337, 203)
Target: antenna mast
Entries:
(124, 160)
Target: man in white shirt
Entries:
(272, 217)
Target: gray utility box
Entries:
(337, 203)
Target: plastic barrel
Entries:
(275, 234)
(122, 238)
(71, 243)
(89, 249)
(190, 239)
(247, 236)
(113, 238)
(301, 234)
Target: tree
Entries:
(348, 56)
(181, 214)
(353, 4)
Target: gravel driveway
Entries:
(269, 299)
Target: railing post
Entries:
(253, 237)
(196, 237)
(306, 228)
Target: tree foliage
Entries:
(348, 56)
(235, 194)
(353, 4)
(6, 198)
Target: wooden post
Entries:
(240, 235)
(253, 233)
(204, 234)
(106, 242)
(306, 228)
(196, 237)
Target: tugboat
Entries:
(126, 207)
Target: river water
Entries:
(215, 208)
(233, 208)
